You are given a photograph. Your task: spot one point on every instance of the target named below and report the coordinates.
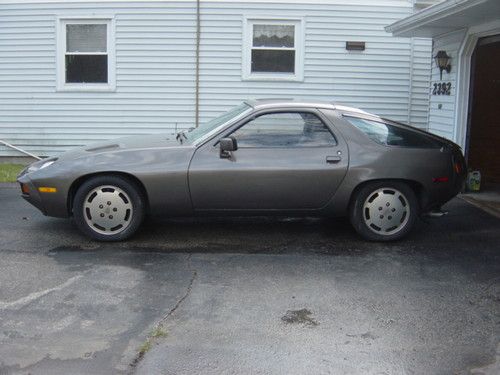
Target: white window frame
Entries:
(248, 23)
(61, 53)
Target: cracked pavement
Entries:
(237, 296)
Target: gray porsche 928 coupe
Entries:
(263, 157)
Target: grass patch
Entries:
(146, 347)
(9, 172)
(148, 344)
(158, 332)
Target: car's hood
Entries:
(126, 143)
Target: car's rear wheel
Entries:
(384, 210)
(108, 208)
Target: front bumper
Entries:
(50, 204)
(30, 193)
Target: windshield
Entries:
(204, 131)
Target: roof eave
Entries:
(414, 25)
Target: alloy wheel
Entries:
(108, 210)
(386, 211)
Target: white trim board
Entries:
(463, 77)
(391, 3)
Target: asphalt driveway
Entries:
(249, 296)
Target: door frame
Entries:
(464, 74)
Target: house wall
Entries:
(420, 68)
(155, 67)
(443, 107)
(154, 86)
(376, 79)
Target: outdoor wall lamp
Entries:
(443, 63)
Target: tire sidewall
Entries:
(356, 210)
(123, 183)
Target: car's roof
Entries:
(280, 103)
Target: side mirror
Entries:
(227, 145)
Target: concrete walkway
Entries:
(487, 199)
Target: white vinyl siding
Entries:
(418, 113)
(155, 51)
(375, 80)
(442, 107)
(155, 85)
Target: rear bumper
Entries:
(444, 194)
(441, 192)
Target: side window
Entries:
(285, 129)
(392, 135)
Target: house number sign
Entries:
(442, 88)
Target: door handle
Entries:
(333, 159)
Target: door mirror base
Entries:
(227, 145)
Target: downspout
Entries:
(197, 73)
(429, 96)
(410, 85)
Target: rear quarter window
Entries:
(392, 135)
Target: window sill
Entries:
(261, 77)
(87, 88)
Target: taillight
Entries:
(458, 163)
(440, 179)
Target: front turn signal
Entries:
(45, 189)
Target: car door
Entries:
(285, 160)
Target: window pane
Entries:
(284, 130)
(273, 35)
(273, 61)
(391, 135)
(86, 68)
(86, 38)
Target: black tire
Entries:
(371, 194)
(130, 199)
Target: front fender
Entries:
(162, 172)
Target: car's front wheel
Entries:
(384, 210)
(108, 208)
